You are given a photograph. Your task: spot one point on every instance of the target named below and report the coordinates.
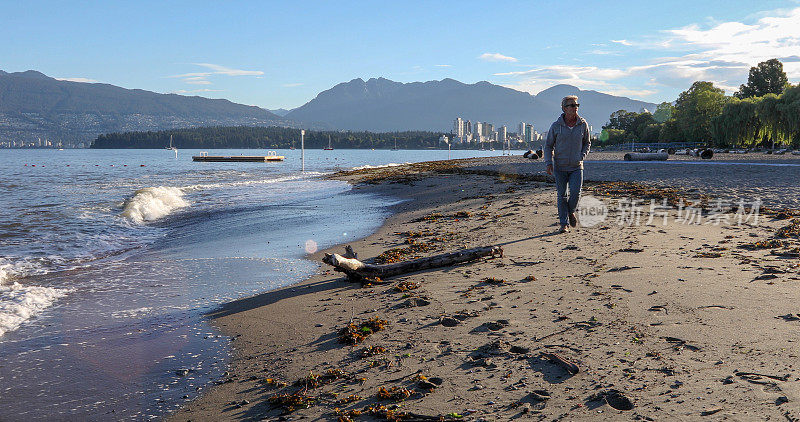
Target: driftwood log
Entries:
(646, 156)
(358, 271)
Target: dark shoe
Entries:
(573, 221)
(563, 229)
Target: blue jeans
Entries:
(567, 205)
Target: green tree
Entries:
(695, 108)
(622, 120)
(640, 123)
(612, 136)
(738, 124)
(651, 132)
(790, 110)
(670, 132)
(766, 78)
(663, 112)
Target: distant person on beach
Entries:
(565, 149)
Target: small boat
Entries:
(329, 147)
(170, 147)
(395, 145)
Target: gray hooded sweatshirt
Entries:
(569, 145)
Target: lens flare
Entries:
(311, 246)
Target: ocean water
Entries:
(109, 259)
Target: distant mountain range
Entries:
(34, 105)
(384, 105)
(280, 111)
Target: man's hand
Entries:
(549, 169)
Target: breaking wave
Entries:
(19, 303)
(150, 204)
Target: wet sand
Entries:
(686, 321)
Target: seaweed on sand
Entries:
(707, 255)
(315, 380)
(412, 234)
(790, 230)
(352, 333)
(394, 393)
(494, 280)
(371, 351)
(349, 399)
(673, 196)
(764, 244)
(294, 401)
(405, 286)
(383, 412)
(436, 216)
(399, 254)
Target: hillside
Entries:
(384, 105)
(34, 105)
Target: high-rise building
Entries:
(528, 133)
(488, 128)
(502, 134)
(458, 127)
(477, 131)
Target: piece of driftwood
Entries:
(358, 270)
(561, 361)
(646, 156)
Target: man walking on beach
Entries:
(565, 149)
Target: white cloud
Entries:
(197, 80)
(192, 75)
(721, 52)
(201, 78)
(496, 57)
(222, 70)
(194, 91)
(293, 85)
(600, 52)
(82, 80)
(741, 45)
(566, 72)
(443, 65)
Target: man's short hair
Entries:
(567, 98)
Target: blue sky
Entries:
(281, 54)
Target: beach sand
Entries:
(686, 321)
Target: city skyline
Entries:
(276, 55)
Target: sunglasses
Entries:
(572, 105)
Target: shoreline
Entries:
(273, 342)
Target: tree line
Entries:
(265, 138)
(764, 111)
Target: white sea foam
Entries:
(381, 166)
(19, 303)
(132, 313)
(4, 272)
(150, 204)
